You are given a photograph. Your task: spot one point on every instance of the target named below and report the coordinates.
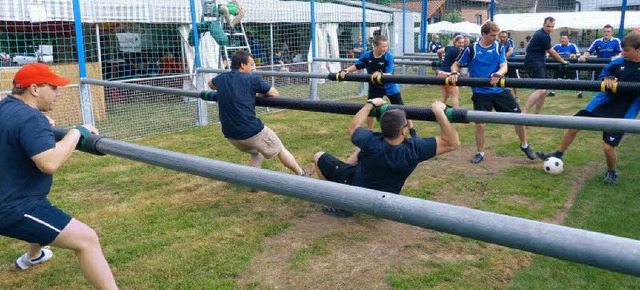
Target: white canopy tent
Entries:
(574, 20)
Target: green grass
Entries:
(162, 229)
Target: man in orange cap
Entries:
(30, 155)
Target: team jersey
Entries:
(606, 49)
(618, 105)
(384, 64)
(482, 63)
(566, 50)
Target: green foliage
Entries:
(454, 16)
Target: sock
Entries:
(38, 258)
(303, 173)
(481, 154)
(558, 154)
(524, 146)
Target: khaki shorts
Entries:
(266, 142)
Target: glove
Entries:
(211, 96)
(564, 65)
(82, 143)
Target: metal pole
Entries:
(423, 26)
(622, 16)
(590, 248)
(86, 104)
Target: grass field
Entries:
(162, 229)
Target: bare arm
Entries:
(440, 52)
(449, 139)
(510, 52)
(51, 160)
(344, 72)
(553, 53)
(362, 115)
(272, 92)
(211, 86)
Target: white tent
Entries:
(464, 28)
(575, 20)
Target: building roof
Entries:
(432, 6)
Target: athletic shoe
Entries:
(330, 210)
(477, 159)
(543, 156)
(24, 262)
(413, 133)
(551, 94)
(580, 95)
(527, 151)
(611, 177)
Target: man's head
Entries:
(607, 32)
(359, 38)
(435, 37)
(503, 36)
(489, 31)
(243, 61)
(631, 46)
(37, 85)
(548, 24)
(392, 123)
(380, 44)
(564, 40)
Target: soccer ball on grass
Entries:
(553, 165)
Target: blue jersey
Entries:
(384, 64)
(537, 48)
(24, 132)
(434, 46)
(451, 53)
(237, 102)
(566, 50)
(505, 46)
(606, 49)
(485, 62)
(385, 167)
(618, 105)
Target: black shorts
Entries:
(534, 71)
(610, 138)
(395, 99)
(511, 73)
(335, 170)
(501, 102)
(569, 74)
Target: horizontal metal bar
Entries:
(590, 248)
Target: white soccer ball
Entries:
(553, 165)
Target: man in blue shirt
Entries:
(566, 49)
(534, 61)
(507, 44)
(29, 155)
(605, 47)
(435, 43)
(383, 161)
(610, 105)
(236, 97)
(379, 61)
(485, 59)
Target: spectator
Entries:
(358, 47)
(168, 64)
(435, 43)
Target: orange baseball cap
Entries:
(37, 74)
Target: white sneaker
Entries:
(24, 262)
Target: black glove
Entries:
(211, 96)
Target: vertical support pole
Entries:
(404, 28)
(273, 79)
(423, 27)
(622, 15)
(492, 9)
(201, 107)
(364, 24)
(86, 106)
(313, 91)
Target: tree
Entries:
(453, 16)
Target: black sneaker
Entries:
(551, 94)
(413, 133)
(580, 95)
(330, 210)
(543, 156)
(611, 177)
(529, 152)
(477, 159)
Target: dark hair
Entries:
(549, 19)
(392, 122)
(378, 39)
(631, 40)
(240, 57)
(17, 91)
(528, 37)
(608, 26)
(489, 26)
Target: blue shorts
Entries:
(41, 223)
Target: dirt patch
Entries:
(386, 245)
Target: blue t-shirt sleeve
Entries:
(618, 48)
(389, 68)
(360, 136)
(36, 135)
(593, 46)
(426, 148)
(503, 58)
(557, 47)
(464, 57)
(606, 71)
(260, 86)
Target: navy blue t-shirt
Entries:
(24, 133)
(450, 55)
(237, 103)
(537, 48)
(385, 64)
(385, 167)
